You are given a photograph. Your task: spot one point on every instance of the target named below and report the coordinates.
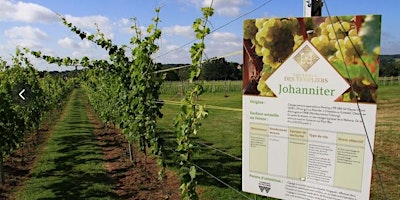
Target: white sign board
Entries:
(307, 129)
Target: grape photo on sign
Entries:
(346, 42)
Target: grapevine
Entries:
(187, 122)
(124, 89)
(18, 118)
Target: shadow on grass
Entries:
(224, 167)
(71, 167)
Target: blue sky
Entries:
(34, 24)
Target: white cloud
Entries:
(25, 36)
(128, 30)
(85, 44)
(173, 54)
(223, 36)
(231, 8)
(71, 43)
(224, 43)
(88, 23)
(67, 42)
(227, 7)
(177, 30)
(217, 44)
(28, 32)
(197, 3)
(25, 12)
(125, 26)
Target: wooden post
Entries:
(130, 149)
(316, 7)
(2, 179)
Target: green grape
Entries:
(323, 25)
(268, 59)
(330, 20)
(332, 59)
(348, 44)
(249, 28)
(332, 35)
(298, 40)
(258, 50)
(259, 22)
(338, 55)
(315, 41)
(345, 26)
(275, 39)
(331, 45)
(324, 40)
(339, 44)
(324, 32)
(352, 32)
(262, 87)
(330, 28)
(265, 52)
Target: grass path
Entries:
(71, 164)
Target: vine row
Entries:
(25, 98)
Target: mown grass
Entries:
(71, 165)
(222, 130)
(387, 145)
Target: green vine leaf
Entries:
(187, 122)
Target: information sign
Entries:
(309, 106)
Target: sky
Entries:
(35, 24)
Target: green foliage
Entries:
(220, 69)
(389, 66)
(20, 117)
(187, 122)
(124, 89)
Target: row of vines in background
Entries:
(20, 117)
(124, 90)
(179, 87)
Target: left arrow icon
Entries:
(20, 94)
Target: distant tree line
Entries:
(215, 69)
(389, 65)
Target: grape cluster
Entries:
(273, 40)
(262, 87)
(249, 28)
(338, 40)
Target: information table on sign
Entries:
(329, 154)
(304, 154)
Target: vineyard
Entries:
(124, 91)
(25, 100)
(121, 132)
